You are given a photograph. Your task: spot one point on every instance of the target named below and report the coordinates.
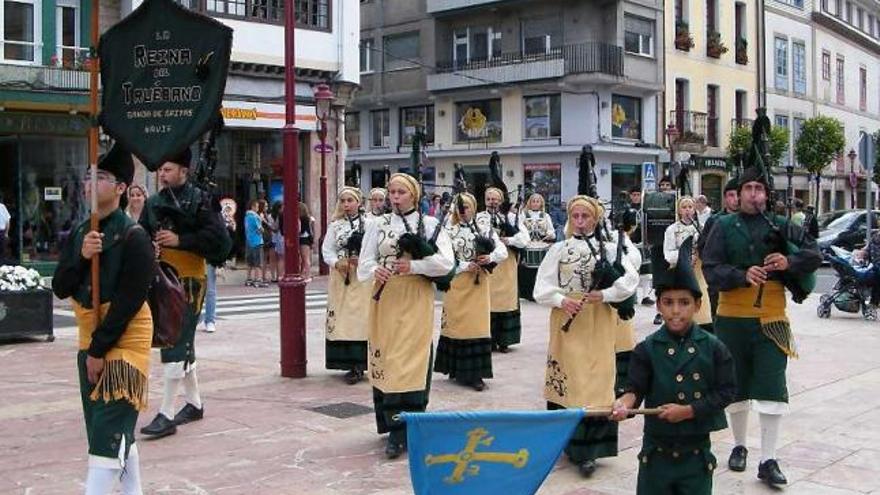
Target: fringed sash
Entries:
(740, 303)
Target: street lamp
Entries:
(292, 286)
(671, 134)
(853, 179)
(323, 100)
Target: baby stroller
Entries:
(850, 293)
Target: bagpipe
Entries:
(495, 176)
(459, 185)
(355, 240)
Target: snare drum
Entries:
(533, 256)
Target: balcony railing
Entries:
(691, 126)
(736, 123)
(33, 77)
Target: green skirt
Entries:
(107, 423)
(386, 406)
(622, 373)
(506, 328)
(346, 354)
(466, 359)
(760, 365)
(526, 280)
(593, 438)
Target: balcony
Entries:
(40, 78)
(437, 6)
(583, 58)
(737, 123)
(691, 127)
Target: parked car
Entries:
(845, 228)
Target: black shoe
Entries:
(352, 377)
(479, 385)
(159, 427)
(188, 414)
(503, 349)
(768, 472)
(393, 450)
(737, 460)
(587, 468)
(658, 320)
(647, 301)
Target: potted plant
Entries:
(683, 39)
(25, 304)
(742, 53)
(714, 47)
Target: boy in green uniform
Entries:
(689, 374)
(114, 342)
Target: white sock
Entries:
(191, 388)
(100, 480)
(131, 475)
(172, 385)
(739, 424)
(769, 435)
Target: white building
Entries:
(822, 59)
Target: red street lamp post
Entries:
(671, 134)
(853, 179)
(323, 100)
(292, 285)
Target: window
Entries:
(782, 121)
(231, 7)
(21, 29)
(460, 47)
(870, 25)
(401, 51)
(712, 115)
(680, 14)
(826, 65)
(541, 35)
(796, 3)
(542, 117)
(353, 130)
(796, 128)
(67, 34)
(825, 6)
(711, 16)
(311, 13)
(626, 117)
(475, 44)
(478, 121)
(849, 16)
(740, 102)
(413, 118)
(799, 66)
(639, 35)
(841, 79)
(380, 129)
(781, 65)
(860, 18)
(366, 55)
(863, 89)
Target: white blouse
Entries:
(337, 236)
(568, 267)
(538, 225)
(380, 246)
(462, 238)
(674, 237)
(486, 220)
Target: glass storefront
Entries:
(624, 177)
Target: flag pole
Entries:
(93, 151)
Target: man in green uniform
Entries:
(688, 373)
(189, 233)
(114, 343)
(731, 205)
(752, 257)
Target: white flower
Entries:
(19, 278)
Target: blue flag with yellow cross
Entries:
(509, 452)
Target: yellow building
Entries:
(711, 83)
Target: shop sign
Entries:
(163, 73)
(707, 162)
(51, 194)
(256, 115)
(43, 123)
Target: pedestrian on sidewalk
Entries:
(137, 197)
(687, 227)
(581, 367)
(253, 233)
(744, 259)
(306, 240)
(189, 234)
(401, 322)
(114, 347)
(270, 262)
(464, 351)
(277, 217)
(348, 299)
(687, 373)
(377, 203)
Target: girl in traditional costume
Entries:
(464, 351)
(395, 255)
(541, 232)
(578, 281)
(377, 203)
(348, 299)
(688, 226)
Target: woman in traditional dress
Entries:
(542, 233)
(688, 226)
(504, 293)
(464, 351)
(348, 299)
(377, 203)
(626, 329)
(581, 359)
(401, 321)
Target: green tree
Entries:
(821, 141)
(740, 142)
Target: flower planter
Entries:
(26, 314)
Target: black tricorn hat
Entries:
(681, 276)
(731, 185)
(118, 162)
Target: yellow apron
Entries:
(466, 308)
(401, 327)
(625, 335)
(187, 264)
(504, 292)
(346, 307)
(704, 315)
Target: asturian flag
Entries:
(507, 452)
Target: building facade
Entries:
(711, 84)
(535, 81)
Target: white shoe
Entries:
(210, 327)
